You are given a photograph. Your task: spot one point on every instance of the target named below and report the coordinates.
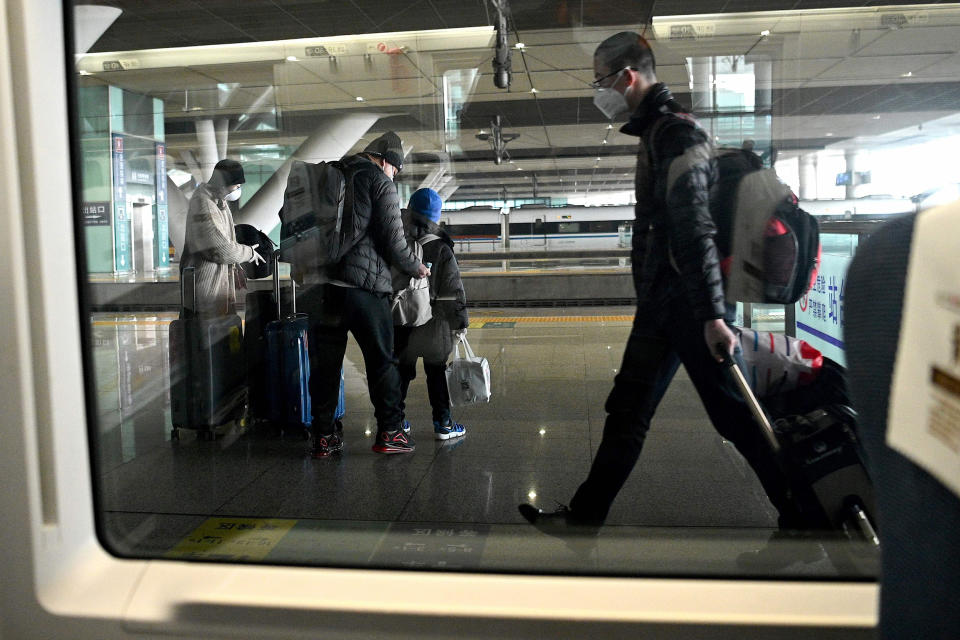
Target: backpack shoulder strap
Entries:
(427, 238)
(666, 121)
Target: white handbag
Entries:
(468, 377)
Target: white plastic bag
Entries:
(410, 304)
(468, 377)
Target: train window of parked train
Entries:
(198, 455)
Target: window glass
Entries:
(206, 425)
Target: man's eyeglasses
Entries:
(596, 84)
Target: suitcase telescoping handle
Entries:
(759, 415)
(276, 286)
(191, 311)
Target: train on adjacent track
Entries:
(480, 228)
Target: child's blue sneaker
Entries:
(447, 429)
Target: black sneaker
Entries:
(782, 549)
(558, 523)
(327, 444)
(393, 442)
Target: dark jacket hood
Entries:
(659, 100)
(418, 226)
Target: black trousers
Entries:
(663, 336)
(333, 311)
(436, 376)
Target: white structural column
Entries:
(90, 22)
(763, 84)
(855, 161)
(702, 71)
(177, 205)
(207, 147)
(222, 132)
(808, 176)
(331, 141)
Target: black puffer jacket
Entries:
(377, 219)
(674, 233)
(446, 287)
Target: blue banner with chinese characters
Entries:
(161, 235)
(122, 229)
(820, 312)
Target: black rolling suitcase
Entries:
(820, 457)
(207, 384)
(259, 310)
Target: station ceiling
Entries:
(835, 75)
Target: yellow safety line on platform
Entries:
(120, 323)
(233, 539)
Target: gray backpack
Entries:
(317, 218)
(411, 297)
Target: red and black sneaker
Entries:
(324, 445)
(393, 442)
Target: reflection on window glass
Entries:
(228, 428)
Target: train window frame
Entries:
(59, 579)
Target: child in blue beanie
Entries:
(433, 341)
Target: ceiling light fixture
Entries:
(907, 74)
(828, 134)
(765, 33)
(359, 98)
(520, 45)
(291, 58)
(534, 90)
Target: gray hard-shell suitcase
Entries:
(207, 382)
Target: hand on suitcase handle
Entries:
(716, 332)
(720, 350)
(257, 258)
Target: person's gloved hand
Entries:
(461, 333)
(257, 258)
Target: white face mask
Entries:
(610, 102)
(233, 195)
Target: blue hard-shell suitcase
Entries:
(288, 366)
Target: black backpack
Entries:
(316, 221)
(769, 246)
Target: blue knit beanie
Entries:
(427, 203)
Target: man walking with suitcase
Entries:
(354, 295)
(681, 315)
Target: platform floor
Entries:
(691, 506)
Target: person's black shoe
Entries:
(325, 445)
(393, 442)
(782, 549)
(561, 522)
